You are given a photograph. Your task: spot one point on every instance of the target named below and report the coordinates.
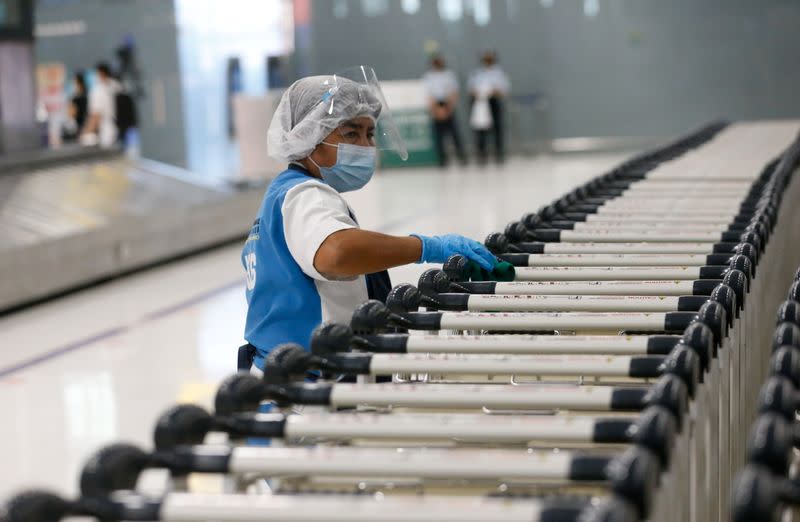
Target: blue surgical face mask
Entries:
(353, 169)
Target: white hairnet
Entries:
(311, 108)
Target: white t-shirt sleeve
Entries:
(100, 101)
(312, 211)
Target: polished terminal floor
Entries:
(100, 365)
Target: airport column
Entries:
(18, 130)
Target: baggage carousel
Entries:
(69, 224)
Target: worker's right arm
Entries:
(327, 244)
(353, 252)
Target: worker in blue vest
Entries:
(306, 258)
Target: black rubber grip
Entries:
(387, 343)
(677, 321)
(742, 218)
(482, 287)
(705, 286)
(351, 364)
(610, 191)
(205, 462)
(588, 468)
(736, 227)
(661, 344)
(628, 399)
(310, 394)
(591, 209)
(516, 259)
(451, 302)
(691, 303)
(713, 272)
(547, 235)
(561, 225)
(597, 200)
(575, 216)
(425, 320)
(618, 185)
(612, 431)
(239, 426)
(531, 247)
(718, 259)
(185, 459)
(559, 514)
(645, 367)
(724, 248)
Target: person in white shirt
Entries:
(488, 84)
(442, 88)
(101, 125)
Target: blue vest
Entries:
(283, 303)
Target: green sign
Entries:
(415, 129)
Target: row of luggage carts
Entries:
(767, 489)
(609, 372)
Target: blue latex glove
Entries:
(437, 249)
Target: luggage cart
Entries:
(40, 506)
(632, 474)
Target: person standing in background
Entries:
(442, 88)
(488, 86)
(101, 126)
(77, 108)
(79, 101)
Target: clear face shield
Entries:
(355, 98)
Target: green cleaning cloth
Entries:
(502, 271)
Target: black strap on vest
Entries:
(245, 357)
(379, 285)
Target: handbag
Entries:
(481, 115)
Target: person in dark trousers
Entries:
(79, 100)
(488, 85)
(442, 88)
(77, 108)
